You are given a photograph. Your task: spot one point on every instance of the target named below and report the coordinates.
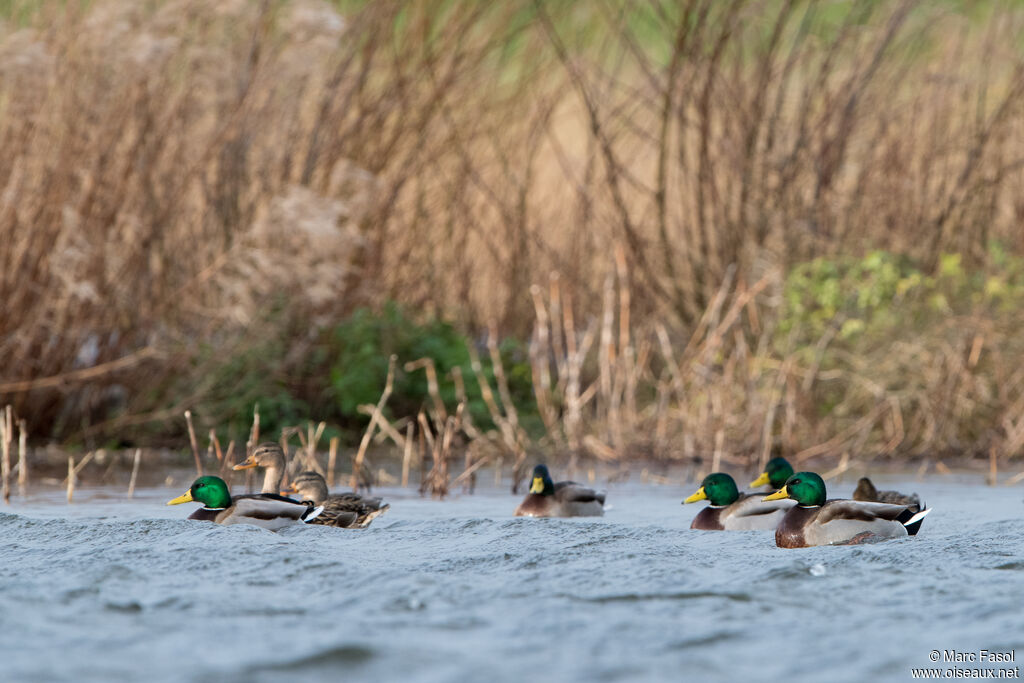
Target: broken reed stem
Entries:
(135, 472)
(22, 458)
(407, 454)
(194, 443)
(8, 436)
(557, 346)
(215, 444)
(439, 414)
(226, 465)
(332, 459)
(540, 353)
(71, 477)
(254, 438)
(460, 395)
(368, 434)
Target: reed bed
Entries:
(187, 183)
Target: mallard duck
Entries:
(564, 499)
(262, 509)
(271, 458)
(817, 521)
(866, 491)
(731, 510)
(349, 510)
(776, 472)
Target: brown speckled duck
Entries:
(271, 458)
(866, 491)
(346, 510)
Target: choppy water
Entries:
(458, 590)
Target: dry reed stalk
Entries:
(426, 446)
(557, 321)
(460, 395)
(407, 453)
(254, 438)
(716, 458)
(439, 414)
(332, 459)
(387, 430)
(606, 360)
(193, 443)
(574, 402)
(357, 463)
(421, 419)
(22, 458)
(540, 351)
(626, 370)
(992, 478)
(8, 436)
(82, 463)
(519, 437)
(470, 473)
(71, 477)
(310, 441)
(135, 472)
(226, 466)
(215, 445)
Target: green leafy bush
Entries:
(358, 352)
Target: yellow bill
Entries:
(778, 495)
(699, 495)
(183, 498)
(538, 485)
(247, 464)
(763, 480)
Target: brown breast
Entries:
(790, 532)
(709, 519)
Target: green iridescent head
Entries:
(806, 488)
(212, 492)
(542, 483)
(718, 488)
(776, 472)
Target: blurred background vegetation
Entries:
(692, 227)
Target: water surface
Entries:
(112, 589)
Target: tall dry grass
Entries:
(180, 178)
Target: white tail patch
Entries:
(918, 517)
(313, 514)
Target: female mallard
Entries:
(731, 510)
(266, 510)
(776, 472)
(270, 457)
(866, 491)
(564, 499)
(348, 510)
(816, 521)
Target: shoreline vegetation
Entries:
(700, 233)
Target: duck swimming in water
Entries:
(817, 521)
(731, 510)
(564, 499)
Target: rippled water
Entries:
(111, 589)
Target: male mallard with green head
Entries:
(731, 510)
(348, 510)
(817, 521)
(564, 499)
(269, 511)
(776, 472)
